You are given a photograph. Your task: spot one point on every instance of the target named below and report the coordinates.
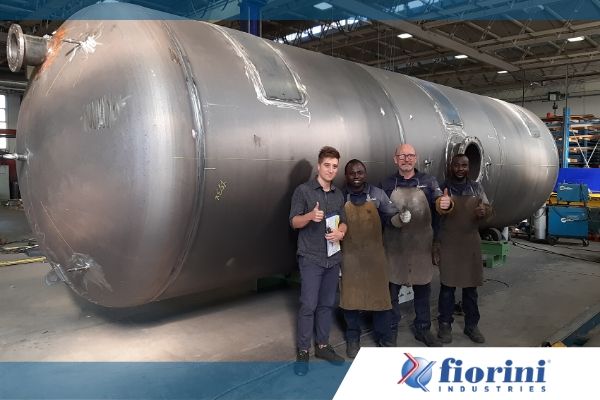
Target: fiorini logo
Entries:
(416, 372)
(454, 375)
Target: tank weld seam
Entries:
(198, 136)
(254, 77)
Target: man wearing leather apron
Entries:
(315, 204)
(409, 249)
(459, 256)
(364, 285)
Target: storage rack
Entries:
(584, 139)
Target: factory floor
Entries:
(536, 296)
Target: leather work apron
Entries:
(364, 284)
(460, 245)
(409, 248)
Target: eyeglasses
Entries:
(406, 156)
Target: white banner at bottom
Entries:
(472, 373)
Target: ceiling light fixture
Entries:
(576, 39)
(503, 72)
(405, 36)
(323, 6)
(461, 56)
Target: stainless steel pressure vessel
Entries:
(158, 157)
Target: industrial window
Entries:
(2, 119)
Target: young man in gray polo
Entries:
(313, 203)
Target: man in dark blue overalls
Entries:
(409, 248)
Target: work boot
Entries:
(352, 348)
(301, 364)
(427, 337)
(328, 354)
(474, 334)
(386, 343)
(445, 332)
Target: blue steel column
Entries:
(566, 129)
(250, 16)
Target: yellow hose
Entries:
(22, 261)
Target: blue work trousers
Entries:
(469, 305)
(317, 300)
(421, 303)
(381, 326)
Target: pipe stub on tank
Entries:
(24, 49)
(15, 47)
(15, 156)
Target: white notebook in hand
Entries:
(332, 223)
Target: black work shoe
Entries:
(352, 348)
(474, 334)
(301, 364)
(386, 343)
(328, 354)
(428, 338)
(445, 332)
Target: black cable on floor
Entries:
(577, 248)
(533, 248)
(496, 280)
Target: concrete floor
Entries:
(530, 299)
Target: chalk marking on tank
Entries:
(103, 112)
(254, 159)
(221, 186)
(223, 105)
(76, 81)
(55, 227)
(59, 73)
(87, 46)
(254, 77)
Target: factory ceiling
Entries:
(474, 45)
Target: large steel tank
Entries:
(158, 157)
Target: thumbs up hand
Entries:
(445, 201)
(316, 214)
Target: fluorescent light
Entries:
(461, 56)
(323, 6)
(405, 36)
(576, 39)
(503, 72)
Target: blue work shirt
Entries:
(427, 183)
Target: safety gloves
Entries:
(401, 219)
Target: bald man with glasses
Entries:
(409, 248)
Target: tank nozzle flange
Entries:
(24, 49)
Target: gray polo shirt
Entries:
(311, 238)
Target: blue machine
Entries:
(572, 192)
(566, 220)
